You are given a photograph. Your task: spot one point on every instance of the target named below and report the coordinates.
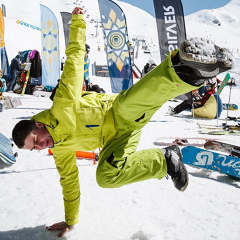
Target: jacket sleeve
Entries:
(70, 85)
(206, 97)
(69, 90)
(68, 171)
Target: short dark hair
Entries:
(21, 130)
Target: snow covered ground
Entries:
(30, 193)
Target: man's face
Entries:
(38, 139)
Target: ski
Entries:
(224, 83)
(210, 160)
(219, 132)
(235, 119)
(229, 118)
(27, 73)
(223, 127)
(182, 141)
(231, 149)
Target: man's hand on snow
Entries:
(61, 226)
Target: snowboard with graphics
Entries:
(224, 83)
(210, 160)
(28, 66)
(230, 106)
(7, 157)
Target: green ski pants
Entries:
(119, 162)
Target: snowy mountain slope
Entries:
(220, 25)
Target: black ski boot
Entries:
(175, 167)
(205, 58)
(199, 59)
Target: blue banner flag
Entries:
(116, 45)
(50, 47)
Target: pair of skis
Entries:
(219, 130)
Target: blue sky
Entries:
(189, 6)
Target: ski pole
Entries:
(193, 109)
(217, 103)
(229, 100)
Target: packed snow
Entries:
(30, 193)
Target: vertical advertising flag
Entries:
(66, 19)
(2, 43)
(116, 45)
(4, 59)
(4, 63)
(170, 25)
(50, 47)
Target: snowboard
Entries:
(25, 81)
(6, 152)
(230, 106)
(210, 160)
(224, 83)
(182, 141)
(224, 147)
(23, 75)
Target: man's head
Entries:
(29, 134)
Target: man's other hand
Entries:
(61, 226)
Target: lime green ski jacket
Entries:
(77, 120)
